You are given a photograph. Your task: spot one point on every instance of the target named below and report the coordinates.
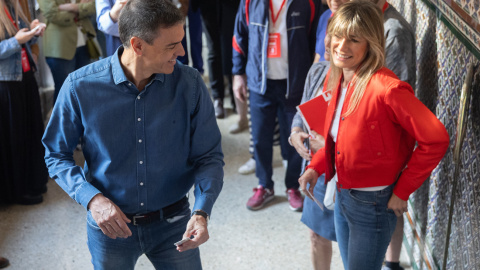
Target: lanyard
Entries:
(10, 17)
(24, 56)
(385, 6)
(275, 18)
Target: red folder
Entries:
(313, 112)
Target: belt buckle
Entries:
(135, 219)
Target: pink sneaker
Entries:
(295, 199)
(260, 198)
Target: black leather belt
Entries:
(142, 219)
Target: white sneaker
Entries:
(248, 167)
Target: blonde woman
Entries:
(23, 175)
(373, 121)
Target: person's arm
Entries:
(431, 136)
(53, 14)
(207, 158)
(86, 8)
(240, 43)
(298, 134)
(400, 56)
(107, 16)
(60, 139)
(9, 47)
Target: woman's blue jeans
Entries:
(364, 227)
(155, 240)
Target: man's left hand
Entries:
(197, 226)
(398, 205)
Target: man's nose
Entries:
(180, 51)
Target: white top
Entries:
(334, 134)
(277, 68)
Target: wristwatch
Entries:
(201, 213)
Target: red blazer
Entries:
(376, 142)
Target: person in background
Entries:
(218, 18)
(149, 135)
(320, 223)
(195, 37)
(333, 5)
(274, 69)
(108, 12)
(23, 176)
(64, 43)
(374, 122)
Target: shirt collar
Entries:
(117, 70)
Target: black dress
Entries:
(23, 174)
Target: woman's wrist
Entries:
(294, 131)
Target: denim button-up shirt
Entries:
(143, 150)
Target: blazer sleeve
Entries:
(50, 11)
(86, 9)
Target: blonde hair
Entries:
(361, 19)
(7, 26)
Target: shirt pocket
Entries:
(375, 139)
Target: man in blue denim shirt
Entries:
(148, 134)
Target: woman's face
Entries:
(327, 47)
(334, 5)
(348, 52)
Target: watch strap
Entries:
(200, 213)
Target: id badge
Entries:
(274, 47)
(25, 63)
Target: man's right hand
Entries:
(240, 87)
(111, 220)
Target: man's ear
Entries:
(137, 44)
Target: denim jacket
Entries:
(11, 57)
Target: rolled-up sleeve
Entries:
(104, 21)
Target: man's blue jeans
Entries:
(155, 240)
(364, 227)
(264, 109)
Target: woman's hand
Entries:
(297, 139)
(317, 141)
(41, 27)
(310, 176)
(398, 205)
(24, 35)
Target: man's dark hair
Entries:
(143, 18)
